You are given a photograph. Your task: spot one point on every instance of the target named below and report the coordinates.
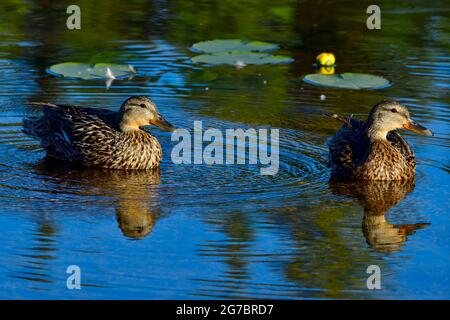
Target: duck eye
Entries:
(393, 110)
(142, 105)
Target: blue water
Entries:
(224, 231)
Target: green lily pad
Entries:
(89, 71)
(215, 46)
(347, 80)
(240, 59)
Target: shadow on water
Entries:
(377, 197)
(135, 193)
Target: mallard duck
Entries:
(372, 149)
(98, 137)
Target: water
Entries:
(225, 231)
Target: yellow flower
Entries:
(326, 59)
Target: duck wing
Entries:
(71, 132)
(349, 147)
(50, 109)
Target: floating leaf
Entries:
(215, 46)
(240, 59)
(347, 80)
(89, 71)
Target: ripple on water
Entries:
(302, 172)
(26, 176)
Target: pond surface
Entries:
(225, 231)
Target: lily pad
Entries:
(89, 71)
(347, 81)
(240, 59)
(215, 46)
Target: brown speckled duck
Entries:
(98, 137)
(372, 149)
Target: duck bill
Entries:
(163, 124)
(417, 128)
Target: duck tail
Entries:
(346, 120)
(41, 104)
(31, 126)
(336, 116)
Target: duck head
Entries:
(140, 111)
(389, 115)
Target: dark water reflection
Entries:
(136, 195)
(194, 231)
(377, 197)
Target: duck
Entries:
(373, 149)
(99, 137)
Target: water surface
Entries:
(198, 231)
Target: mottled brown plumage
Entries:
(100, 138)
(372, 149)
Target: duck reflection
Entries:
(135, 192)
(377, 197)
